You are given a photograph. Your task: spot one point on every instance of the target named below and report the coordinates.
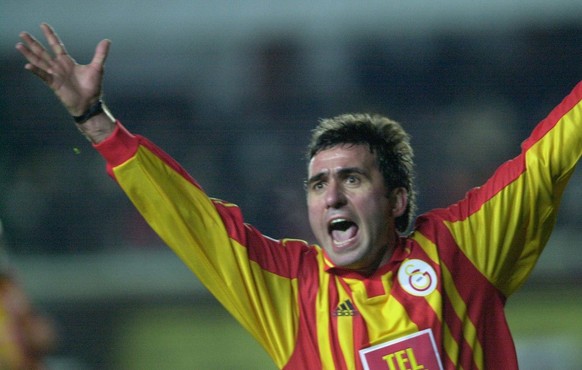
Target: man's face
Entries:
(350, 210)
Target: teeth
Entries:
(339, 224)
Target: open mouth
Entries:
(342, 231)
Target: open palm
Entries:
(77, 86)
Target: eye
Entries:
(352, 180)
(317, 186)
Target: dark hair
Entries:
(385, 138)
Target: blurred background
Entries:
(232, 90)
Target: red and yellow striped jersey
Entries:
(450, 277)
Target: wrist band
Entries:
(94, 110)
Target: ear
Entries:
(399, 198)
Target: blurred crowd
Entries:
(467, 99)
(27, 335)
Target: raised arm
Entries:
(78, 87)
(503, 225)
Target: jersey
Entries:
(443, 290)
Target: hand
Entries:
(77, 86)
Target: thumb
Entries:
(101, 52)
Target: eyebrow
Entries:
(341, 172)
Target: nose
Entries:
(334, 195)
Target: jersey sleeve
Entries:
(503, 226)
(253, 276)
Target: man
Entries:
(370, 297)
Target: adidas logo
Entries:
(346, 308)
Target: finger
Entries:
(53, 40)
(33, 51)
(34, 45)
(101, 52)
(41, 73)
